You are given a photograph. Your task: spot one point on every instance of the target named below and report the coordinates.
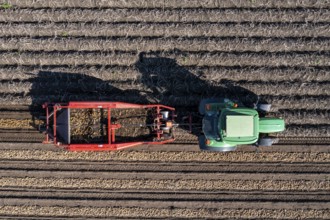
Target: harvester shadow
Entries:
(62, 87)
(170, 81)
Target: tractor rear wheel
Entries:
(267, 141)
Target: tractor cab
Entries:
(226, 125)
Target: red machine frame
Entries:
(51, 135)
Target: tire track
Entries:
(203, 168)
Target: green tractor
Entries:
(227, 124)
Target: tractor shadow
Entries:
(167, 80)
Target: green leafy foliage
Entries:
(5, 6)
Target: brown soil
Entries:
(172, 52)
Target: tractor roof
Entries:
(239, 125)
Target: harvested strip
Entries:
(205, 185)
(157, 213)
(169, 4)
(18, 123)
(166, 30)
(165, 156)
(161, 44)
(168, 15)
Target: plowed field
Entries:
(173, 52)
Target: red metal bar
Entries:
(54, 126)
(47, 124)
(109, 126)
(113, 135)
(159, 106)
(103, 105)
(158, 121)
(102, 147)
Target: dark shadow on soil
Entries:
(167, 80)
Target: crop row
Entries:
(165, 29)
(170, 4)
(166, 44)
(131, 74)
(166, 184)
(184, 59)
(168, 15)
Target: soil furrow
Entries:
(160, 175)
(168, 15)
(164, 204)
(164, 30)
(183, 167)
(151, 195)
